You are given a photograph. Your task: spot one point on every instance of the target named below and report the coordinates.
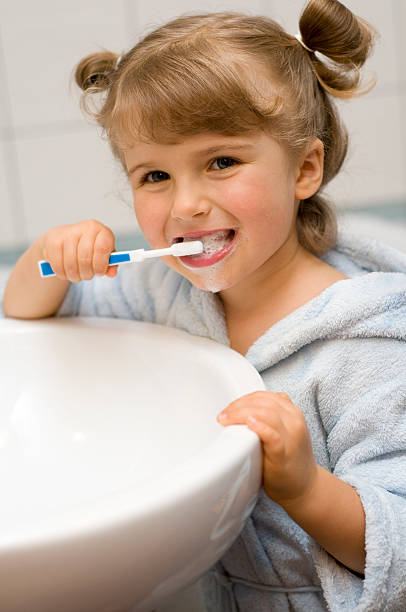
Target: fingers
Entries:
(80, 251)
(102, 247)
(70, 260)
(264, 405)
(85, 250)
(288, 460)
(54, 253)
(264, 413)
(267, 433)
(269, 415)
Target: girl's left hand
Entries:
(289, 468)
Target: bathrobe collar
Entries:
(370, 303)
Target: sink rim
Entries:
(233, 446)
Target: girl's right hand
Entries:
(79, 251)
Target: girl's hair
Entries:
(231, 73)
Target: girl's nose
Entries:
(188, 205)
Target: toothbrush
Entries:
(179, 249)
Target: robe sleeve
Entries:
(132, 294)
(362, 403)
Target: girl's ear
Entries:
(309, 174)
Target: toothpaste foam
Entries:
(213, 243)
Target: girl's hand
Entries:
(289, 468)
(79, 251)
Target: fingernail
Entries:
(222, 416)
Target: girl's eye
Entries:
(224, 162)
(156, 176)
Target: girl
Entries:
(226, 127)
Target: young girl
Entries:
(227, 130)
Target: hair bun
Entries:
(94, 71)
(328, 27)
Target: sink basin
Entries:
(118, 486)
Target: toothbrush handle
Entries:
(120, 257)
(116, 258)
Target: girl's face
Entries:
(237, 194)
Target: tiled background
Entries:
(56, 168)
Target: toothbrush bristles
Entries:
(187, 248)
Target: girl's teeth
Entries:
(212, 243)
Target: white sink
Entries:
(118, 486)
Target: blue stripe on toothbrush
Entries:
(117, 258)
(46, 269)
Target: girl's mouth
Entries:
(216, 246)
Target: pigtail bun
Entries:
(328, 27)
(93, 72)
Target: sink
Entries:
(118, 486)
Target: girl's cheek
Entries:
(151, 220)
(247, 197)
(239, 195)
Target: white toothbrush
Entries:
(179, 249)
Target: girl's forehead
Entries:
(197, 141)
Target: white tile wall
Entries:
(42, 41)
(399, 23)
(155, 12)
(55, 168)
(8, 229)
(71, 177)
(376, 161)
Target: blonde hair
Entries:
(231, 73)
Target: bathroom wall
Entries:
(55, 166)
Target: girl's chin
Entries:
(207, 279)
(214, 285)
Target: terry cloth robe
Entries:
(342, 360)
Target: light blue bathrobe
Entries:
(342, 359)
